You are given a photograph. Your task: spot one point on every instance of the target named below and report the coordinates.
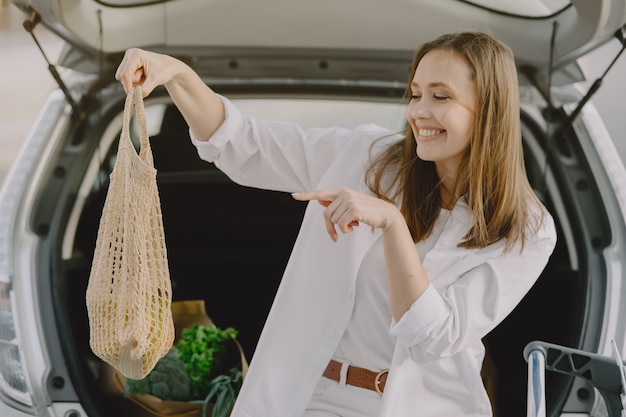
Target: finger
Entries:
(330, 228)
(306, 196)
(147, 86)
(126, 82)
(313, 195)
(316, 195)
(337, 215)
(325, 198)
(310, 196)
(332, 231)
(130, 72)
(350, 226)
(329, 195)
(344, 219)
(121, 75)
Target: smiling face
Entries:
(441, 110)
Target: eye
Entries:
(415, 96)
(440, 97)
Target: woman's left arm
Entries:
(482, 287)
(472, 292)
(346, 208)
(406, 276)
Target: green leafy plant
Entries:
(223, 392)
(207, 351)
(203, 366)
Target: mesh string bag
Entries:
(129, 293)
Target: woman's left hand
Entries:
(347, 209)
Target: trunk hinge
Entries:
(29, 25)
(545, 89)
(596, 84)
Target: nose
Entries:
(418, 110)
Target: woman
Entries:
(452, 236)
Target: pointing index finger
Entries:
(306, 196)
(324, 197)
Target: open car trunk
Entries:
(228, 245)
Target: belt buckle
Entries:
(377, 380)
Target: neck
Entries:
(448, 198)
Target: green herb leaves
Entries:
(206, 351)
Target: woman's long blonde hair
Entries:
(492, 176)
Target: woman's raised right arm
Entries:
(200, 106)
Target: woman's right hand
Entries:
(147, 69)
(200, 106)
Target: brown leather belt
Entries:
(359, 377)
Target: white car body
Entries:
(320, 62)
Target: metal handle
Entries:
(536, 404)
(599, 371)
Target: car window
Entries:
(173, 151)
(325, 113)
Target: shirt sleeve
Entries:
(273, 155)
(489, 284)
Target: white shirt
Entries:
(435, 365)
(366, 341)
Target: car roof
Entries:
(540, 32)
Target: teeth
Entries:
(430, 132)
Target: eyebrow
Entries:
(431, 85)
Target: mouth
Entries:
(427, 133)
